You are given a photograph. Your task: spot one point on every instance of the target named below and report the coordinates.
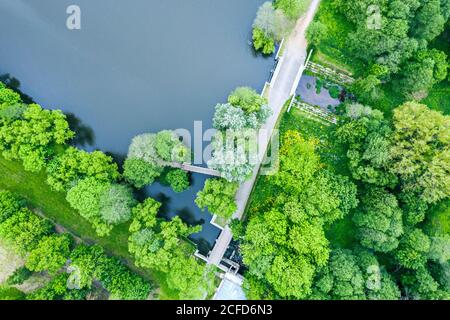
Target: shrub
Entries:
(19, 276)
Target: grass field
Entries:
(53, 205)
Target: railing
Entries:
(332, 74)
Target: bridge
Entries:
(196, 169)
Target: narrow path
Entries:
(196, 169)
(294, 58)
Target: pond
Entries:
(135, 66)
(318, 92)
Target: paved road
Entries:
(288, 77)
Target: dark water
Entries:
(135, 66)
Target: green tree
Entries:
(50, 254)
(23, 230)
(144, 215)
(8, 97)
(9, 205)
(140, 173)
(218, 195)
(190, 279)
(74, 164)
(413, 250)
(291, 8)
(169, 147)
(85, 265)
(116, 203)
(316, 32)
(379, 220)
(420, 151)
(33, 137)
(263, 42)
(177, 179)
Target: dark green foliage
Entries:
(121, 283)
(177, 179)
(19, 276)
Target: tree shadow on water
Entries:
(188, 217)
(84, 135)
(14, 84)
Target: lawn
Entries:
(53, 205)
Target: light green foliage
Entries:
(263, 42)
(9, 204)
(291, 8)
(116, 203)
(50, 254)
(192, 280)
(8, 97)
(284, 243)
(301, 175)
(102, 204)
(144, 215)
(169, 147)
(316, 32)
(12, 112)
(74, 164)
(32, 137)
(218, 195)
(85, 197)
(140, 173)
(234, 154)
(421, 151)
(413, 250)
(155, 248)
(23, 230)
(379, 220)
(247, 99)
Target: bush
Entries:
(177, 179)
(263, 42)
(140, 173)
(19, 276)
(9, 205)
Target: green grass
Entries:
(53, 205)
(439, 98)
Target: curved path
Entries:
(286, 82)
